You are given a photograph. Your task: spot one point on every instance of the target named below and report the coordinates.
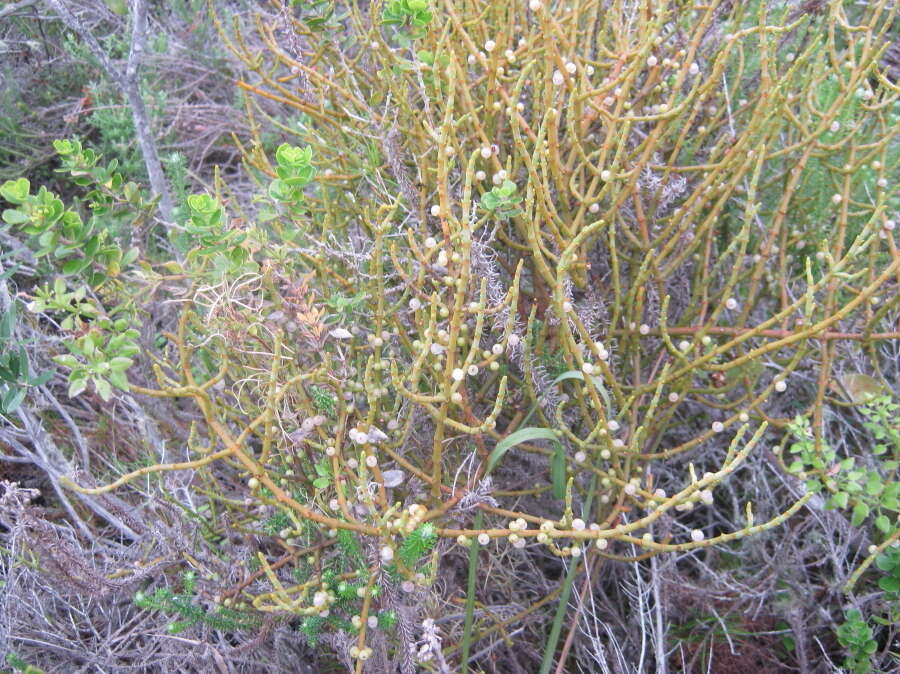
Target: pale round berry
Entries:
(697, 536)
(780, 386)
(483, 539)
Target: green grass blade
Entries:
(470, 599)
(562, 609)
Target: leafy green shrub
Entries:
(866, 490)
(856, 636)
(15, 372)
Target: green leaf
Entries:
(889, 583)
(558, 473)
(885, 562)
(507, 189)
(321, 482)
(12, 216)
(860, 513)
(292, 156)
(41, 379)
(130, 256)
(67, 360)
(490, 201)
(119, 380)
(66, 147)
(7, 321)
(883, 524)
(7, 273)
(120, 364)
(15, 191)
(517, 438)
(874, 485)
(13, 399)
(75, 266)
(840, 499)
(77, 385)
(104, 388)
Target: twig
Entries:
(130, 84)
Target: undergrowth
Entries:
(523, 295)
